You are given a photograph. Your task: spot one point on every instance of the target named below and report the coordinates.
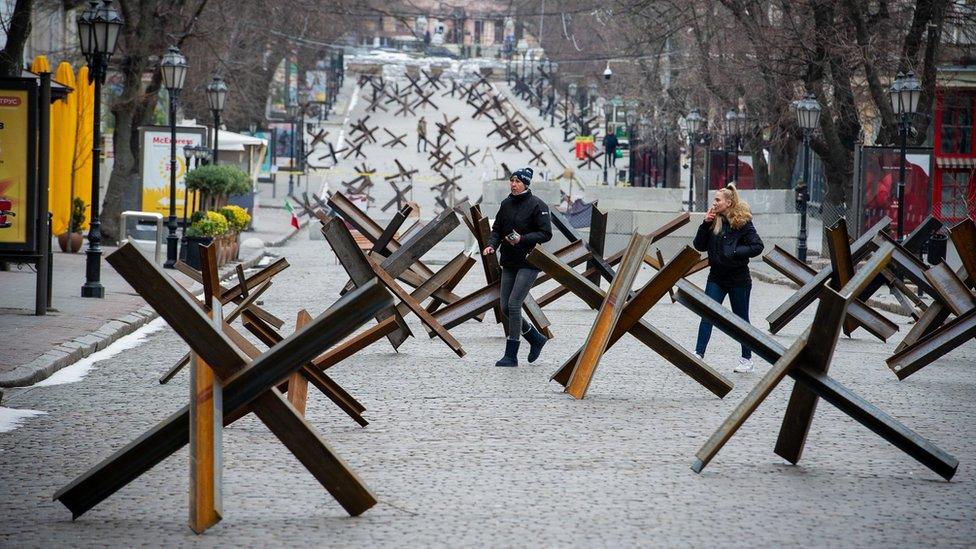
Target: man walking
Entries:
(422, 133)
(610, 148)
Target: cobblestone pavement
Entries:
(461, 453)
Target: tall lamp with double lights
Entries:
(905, 93)
(98, 32)
(173, 66)
(808, 118)
(693, 122)
(217, 97)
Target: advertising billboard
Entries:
(18, 193)
(878, 187)
(156, 165)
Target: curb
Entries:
(73, 350)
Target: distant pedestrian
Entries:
(610, 148)
(422, 133)
(522, 222)
(731, 240)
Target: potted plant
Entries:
(216, 183)
(238, 220)
(72, 240)
(204, 229)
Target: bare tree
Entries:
(17, 29)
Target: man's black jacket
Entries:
(527, 215)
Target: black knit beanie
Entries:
(524, 175)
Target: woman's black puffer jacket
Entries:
(729, 251)
(527, 215)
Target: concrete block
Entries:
(620, 221)
(763, 201)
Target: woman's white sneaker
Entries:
(745, 366)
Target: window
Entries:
(958, 195)
(957, 123)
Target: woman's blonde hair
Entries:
(738, 213)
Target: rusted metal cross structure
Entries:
(385, 244)
(228, 385)
(807, 361)
(933, 336)
(244, 294)
(362, 269)
(844, 257)
(394, 139)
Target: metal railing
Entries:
(156, 217)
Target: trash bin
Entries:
(937, 248)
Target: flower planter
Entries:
(71, 242)
(190, 249)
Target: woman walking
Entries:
(729, 237)
(521, 223)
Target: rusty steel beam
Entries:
(644, 332)
(597, 241)
(358, 267)
(244, 383)
(789, 363)
(951, 288)
(923, 352)
(377, 332)
(607, 317)
(416, 308)
(810, 291)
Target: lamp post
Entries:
(98, 32)
(731, 121)
(807, 117)
(292, 110)
(539, 85)
(173, 66)
(694, 124)
(553, 67)
(905, 93)
(740, 129)
(217, 97)
(631, 145)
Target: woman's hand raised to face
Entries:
(710, 216)
(488, 250)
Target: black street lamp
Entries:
(905, 93)
(217, 97)
(173, 66)
(740, 130)
(98, 32)
(693, 122)
(631, 144)
(807, 117)
(731, 125)
(292, 110)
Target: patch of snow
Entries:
(11, 418)
(78, 370)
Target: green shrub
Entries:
(78, 208)
(213, 224)
(218, 181)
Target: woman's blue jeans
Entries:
(739, 298)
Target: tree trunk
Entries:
(12, 55)
(132, 110)
(782, 157)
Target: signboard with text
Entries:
(18, 184)
(156, 166)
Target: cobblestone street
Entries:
(461, 453)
